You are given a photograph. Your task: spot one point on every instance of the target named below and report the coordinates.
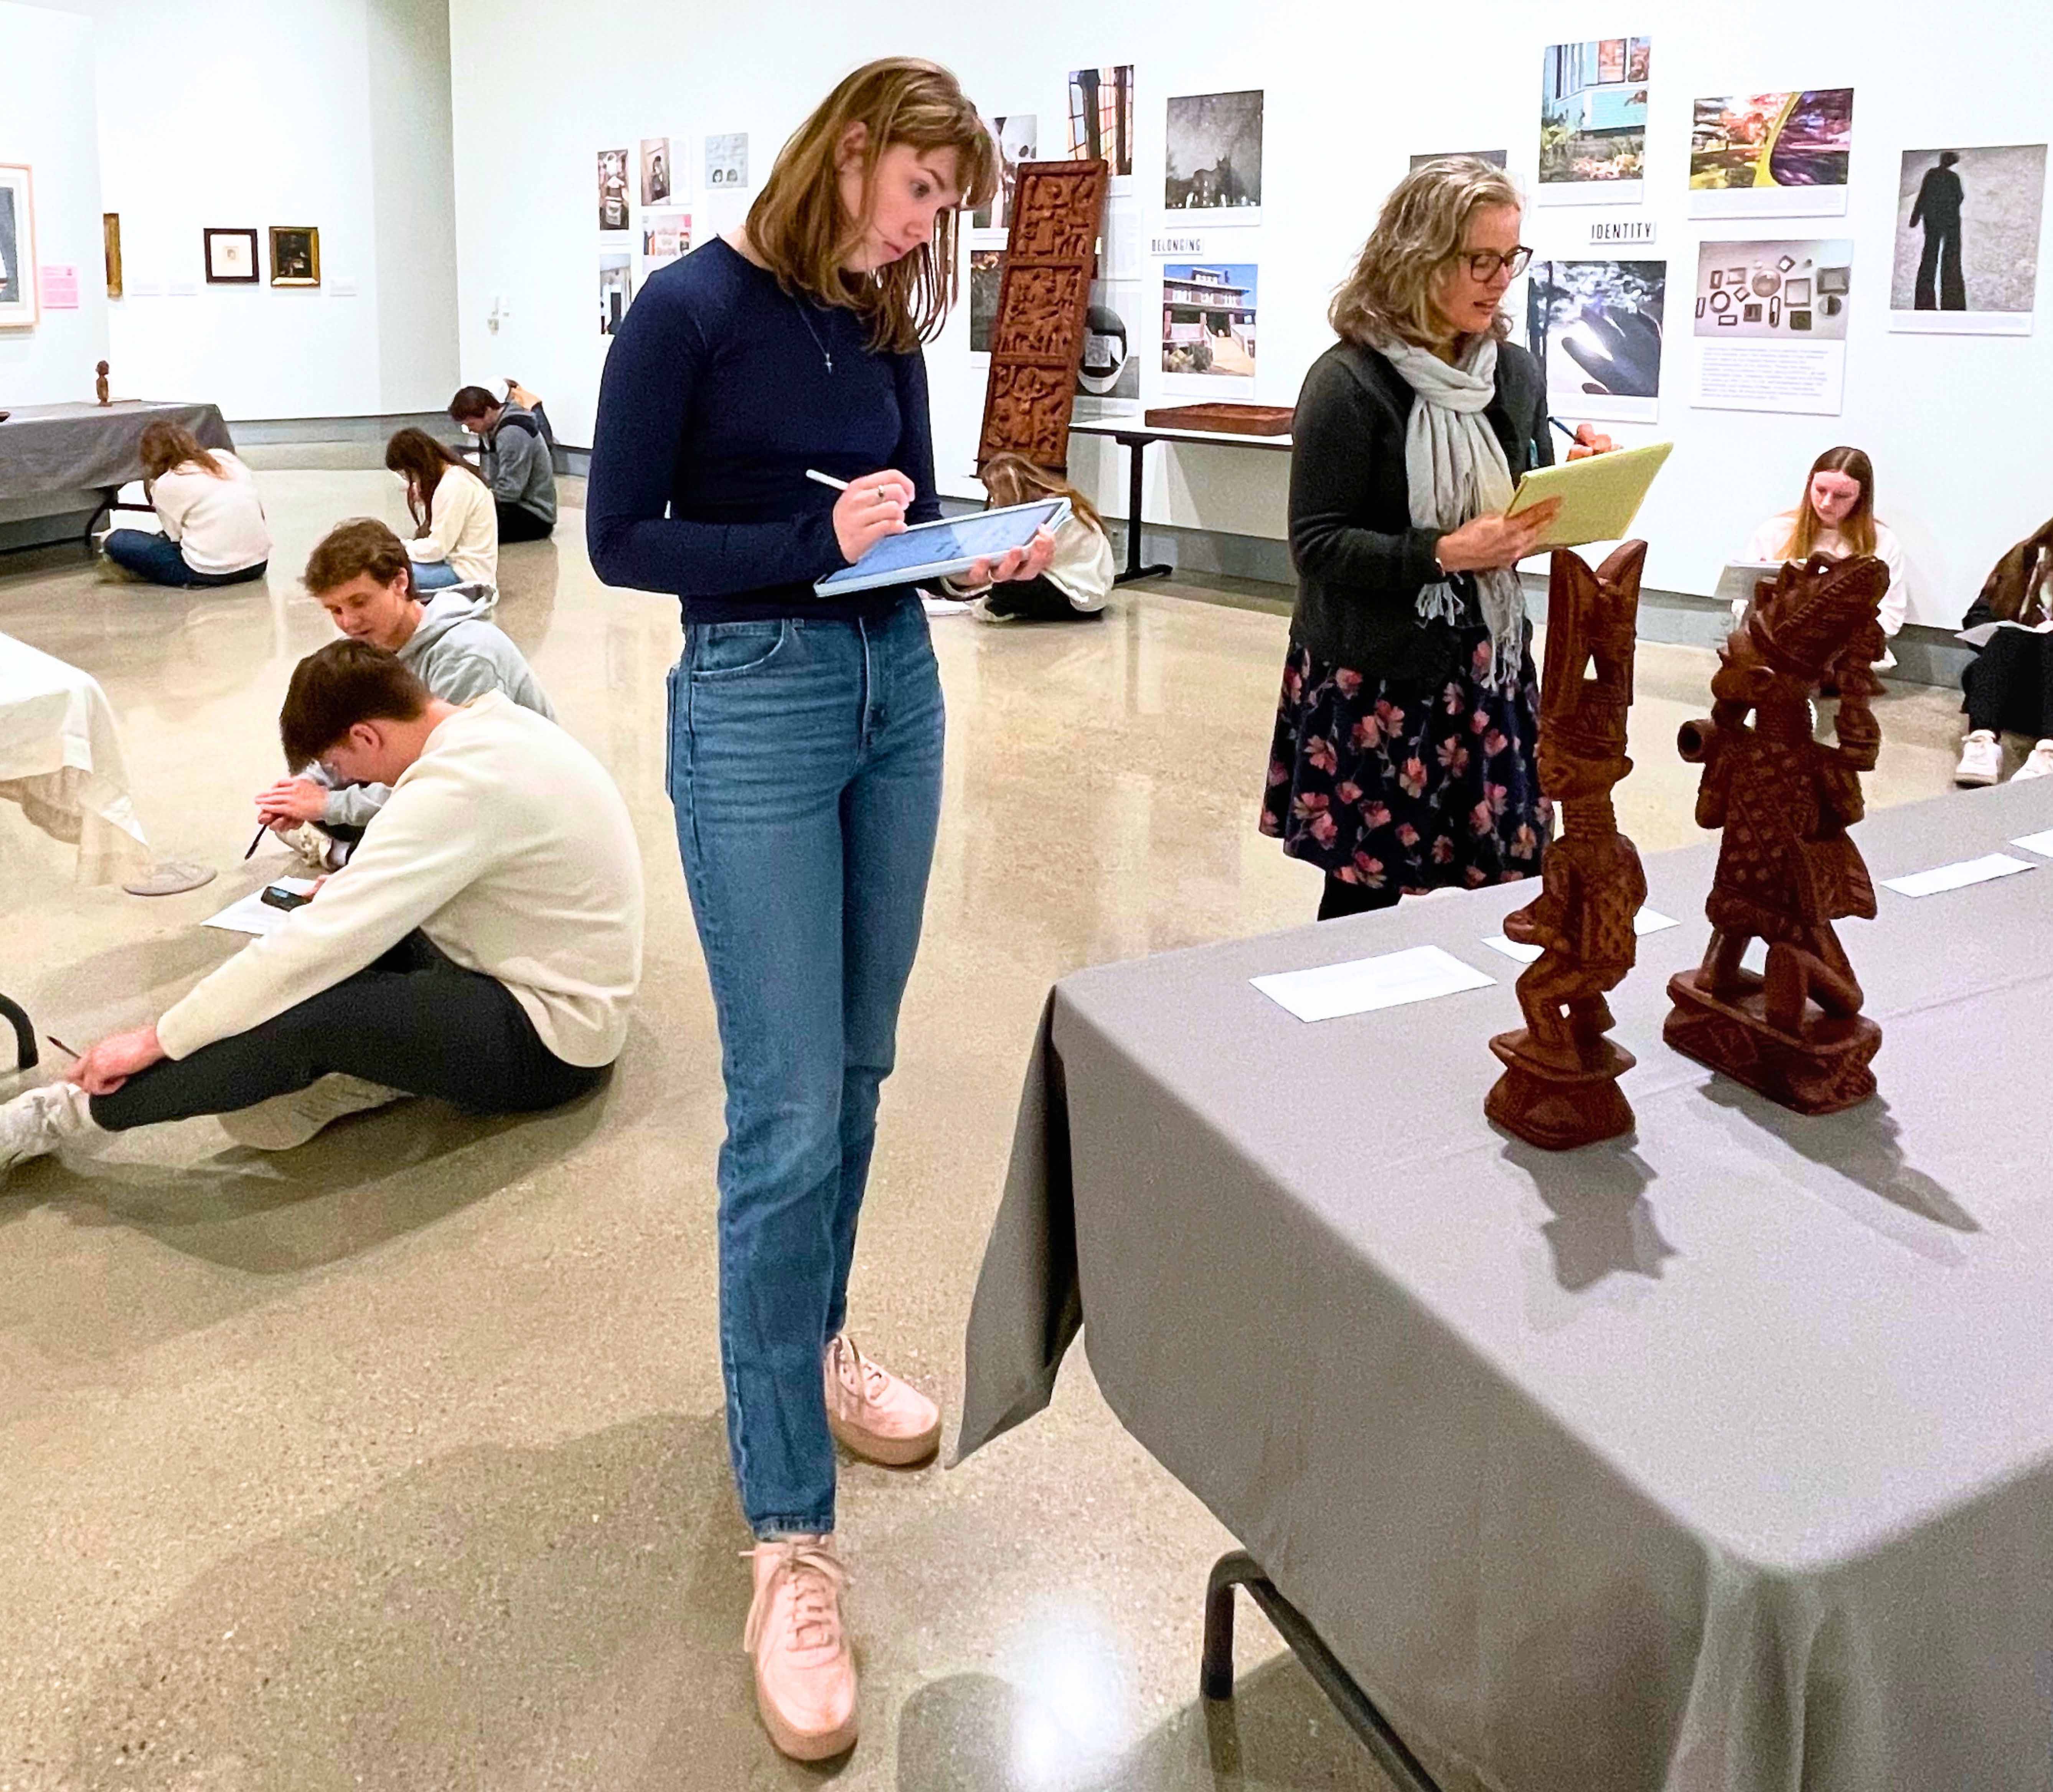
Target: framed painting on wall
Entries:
(17, 247)
(295, 254)
(110, 236)
(231, 257)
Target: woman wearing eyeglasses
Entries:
(1404, 757)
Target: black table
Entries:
(1134, 437)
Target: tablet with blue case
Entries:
(940, 550)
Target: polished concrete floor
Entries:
(397, 1461)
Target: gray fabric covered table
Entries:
(1719, 1459)
(64, 448)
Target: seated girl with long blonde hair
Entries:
(207, 505)
(1078, 580)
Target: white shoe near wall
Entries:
(2038, 763)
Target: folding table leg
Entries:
(1238, 1568)
(1136, 446)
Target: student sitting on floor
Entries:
(1078, 580)
(2009, 683)
(1836, 519)
(484, 946)
(456, 535)
(361, 576)
(213, 520)
(514, 459)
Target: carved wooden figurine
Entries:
(1559, 1085)
(99, 384)
(1786, 868)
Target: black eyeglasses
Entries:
(1483, 263)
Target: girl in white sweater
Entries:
(1080, 578)
(456, 535)
(212, 519)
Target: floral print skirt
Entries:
(1411, 784)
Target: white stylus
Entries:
(826, 478)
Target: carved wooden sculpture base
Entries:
(1547, 1104)
(1821, 1073)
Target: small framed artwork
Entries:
(295, 254)
(110, 236)
(231, 257)
(19, 309)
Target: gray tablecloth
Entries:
(1720, 1458)
(84, 448)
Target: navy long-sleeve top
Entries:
(717, 397)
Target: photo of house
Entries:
(1208, 319)
(1593, 117)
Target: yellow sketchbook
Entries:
(1599, 496)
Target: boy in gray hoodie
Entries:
(360, 575)
(514, 458)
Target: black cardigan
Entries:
(1360, 564)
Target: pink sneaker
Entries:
(805, 1671)
(874, 1414)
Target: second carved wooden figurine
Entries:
(1560, 1086)
(1786, 868)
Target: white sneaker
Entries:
(287, 1120)
(1981, 759)
(38, 1120)
(2038, 763)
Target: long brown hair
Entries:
(800, 228)
(1858, 527)
(421, 461)
(1390, 293)
(1012, 479)
(168, 445)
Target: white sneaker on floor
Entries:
(38, 1120)
(2038, 763)
(287, 1120)
(1981, 759)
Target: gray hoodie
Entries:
(458, 654)
(516, 466)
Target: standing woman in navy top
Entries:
(805, 766)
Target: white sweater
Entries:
(1773, 535)
(219, 523)
(463, 528)
(507, 844)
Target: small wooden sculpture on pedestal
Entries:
(1559, 1085)
(1786, 868)
(99, 385)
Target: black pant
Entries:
(1036, 600)
(2009, 684)
(1939, 285)
(1341, 899)
(413, 1019)
(517, 523)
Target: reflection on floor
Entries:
(397, 1461)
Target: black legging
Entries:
(414, 1021)
(2009, 684)
(1036, 600)
(517, 523)
(1339, 898)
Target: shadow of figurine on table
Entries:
(1602, 1223)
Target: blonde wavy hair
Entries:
(1390, 293)
(800, 229)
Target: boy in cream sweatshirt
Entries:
(484, 945)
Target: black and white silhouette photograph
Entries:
(655, 170)
(1968, 224)
(1596, 327)
(1212, 172)
(1108, 377)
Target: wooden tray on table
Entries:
(1228, 419)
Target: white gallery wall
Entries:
(1954, 423)
(47, 123)
(249, 113)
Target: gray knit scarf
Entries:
(1456, 470)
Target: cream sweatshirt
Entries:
(219, 523)
(507, 845)
(463, 528)
(1773, 537)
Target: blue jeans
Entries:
(160, 560)
(805, 766)
(432, 575)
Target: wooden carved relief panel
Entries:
(1036, 337)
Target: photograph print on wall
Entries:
(1968, 224)
(1772, 155)
(986, 273)
(1596, 329)
(1593, 122)
(1496, 157)
(1212, 172)
(615, 291)
(1108, 377)
(1018, 136)
(666, 236)
(726, 160)
(613, 190)
(1101, 119)
(655, 170)
(18, 309)
(1771, 324)
(1208, 320)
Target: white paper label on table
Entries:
(2041, 843)
(1421, 973)
(1955, 876)
(253, 915)
(1646, 921)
